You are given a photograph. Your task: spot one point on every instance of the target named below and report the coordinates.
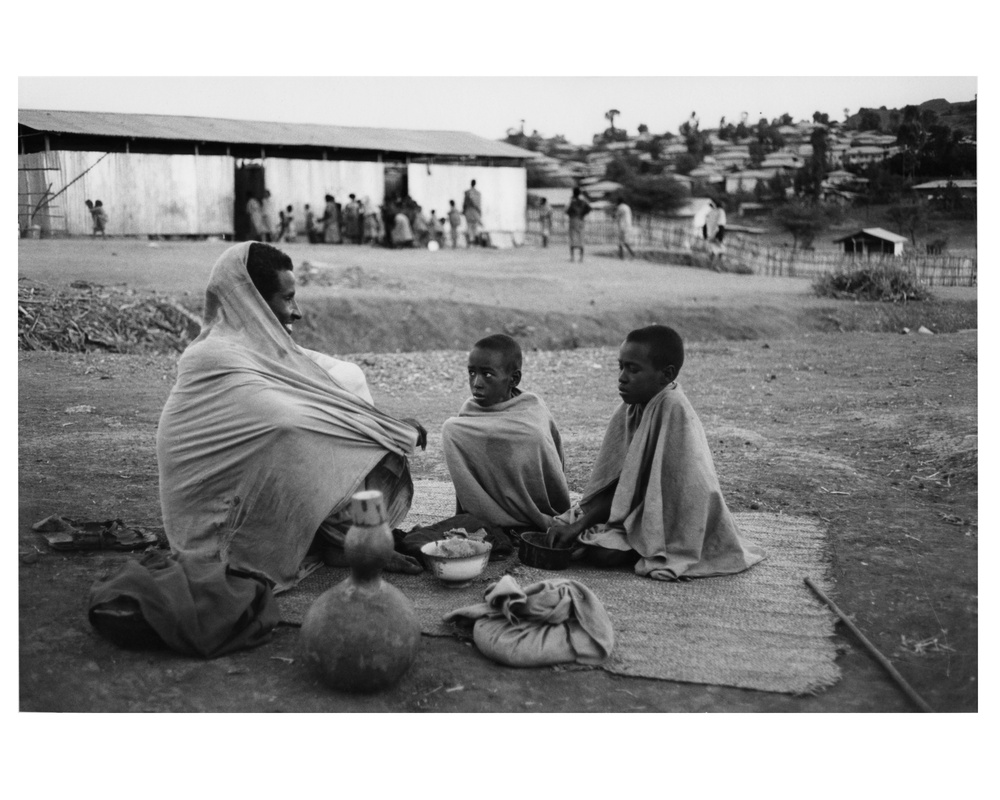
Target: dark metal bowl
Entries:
(532, 553)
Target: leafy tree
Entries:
(784, 119)
(610, 116)
(742, 131)
(928, 117)
(623, 168)
(870, 120)
(610, 135)
(769, 136)
(653, 146)
(727, 132)
(910, 217)
(884, 186)
(805, 221)
(695, 139)
(757, 153)
(653, 194)
(685, 163)
(643, 128)
(777, 185)
(821, 119)
(809, 179)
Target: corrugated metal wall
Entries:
(504, 191)
(296, 182)
(193, 195)
(147, 193)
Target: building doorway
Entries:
(249, 178)
(396, 184)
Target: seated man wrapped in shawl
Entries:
(653, 498)
(262, 443)
(503, 450)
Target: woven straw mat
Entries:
(762, 629)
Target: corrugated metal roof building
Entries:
(173, 175)
(873, 241)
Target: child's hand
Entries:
(421, 432)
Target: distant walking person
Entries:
(577, 210)
(472, 207)
(352, 221)
(100, 218)
(270, 218)
(623, 222)
(312, 234)
(256, 214)
(369, 221)
(291, 232)
(93, 222)
(421, 232)
(331, 221)
(454, 222)
(714, 230)
(545, 218)
(402, 233)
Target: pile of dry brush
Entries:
(882, 283)
(86, 317)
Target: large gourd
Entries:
(362, 635)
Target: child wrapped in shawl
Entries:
(653, 498)
(262, 443)
(503, 450)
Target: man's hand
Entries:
(421, 432)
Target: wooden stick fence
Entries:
(670, 237)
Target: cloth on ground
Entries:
(667, 505)
(196, 605)
(506, 462)
(421, 535)
(258, 444)
(549, 622)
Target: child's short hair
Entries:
(506, 346)
(666, 348)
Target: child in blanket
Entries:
(653, 499)
(503, 450)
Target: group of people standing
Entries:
(577, 212)
(399, 222)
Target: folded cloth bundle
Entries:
(549, 622)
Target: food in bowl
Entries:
(456, 562)
(479, 535)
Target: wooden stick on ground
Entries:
(893, 673)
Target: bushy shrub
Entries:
(883, 283)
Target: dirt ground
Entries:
(871, 431)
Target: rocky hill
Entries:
(960, 116)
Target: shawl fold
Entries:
(195, 605)
(550, 622)
(506, 462)
(667, 503)
(259, 442)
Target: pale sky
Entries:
(488, 106)
(520, 39)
